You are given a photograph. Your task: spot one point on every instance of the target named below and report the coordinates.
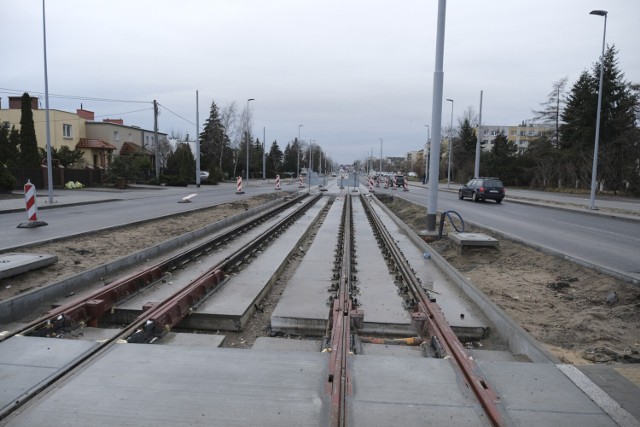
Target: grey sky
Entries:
(351, 71)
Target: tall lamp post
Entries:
(380, 156)
(594, 170)
(298, 171)
(248, 121)
(426, 155)
(450, 145)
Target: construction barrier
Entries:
(371, 190)
(386, 182)
(378, 182)
(395, 183)
(301, 185)
(278, 182)
(406, 184)
(32, 207)
(239, 186)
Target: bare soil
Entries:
(561, 304)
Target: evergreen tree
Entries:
(214, 142)
(275, 160)
(618, 147)
(29, 156)
(501, 161)
(182, 163)
(464, 150)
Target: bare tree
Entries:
(229, 120)
(552, 108)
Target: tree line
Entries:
(562, 157)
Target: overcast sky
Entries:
(351, 71)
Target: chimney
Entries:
(114, 121)
(15, 102)
(85, 114)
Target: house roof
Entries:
(94, 143)
(131, 148)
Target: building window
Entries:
(531, 133)
(486, 132)
(116, 135)
(66, 131)
(522, 133)
(513, 133)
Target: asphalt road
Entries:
(608, 243)
(125, 207)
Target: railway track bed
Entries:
(351, 300)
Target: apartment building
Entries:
(521, 135)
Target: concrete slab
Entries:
(391, 350)
(163, 385)
(465, 318)
(286, 344)
(538, 394)
(473, 240)
(28, 362)
(303, 307)
(191, 340)
(415, 391)
(12, 264)
(384, 314)
(233, 302)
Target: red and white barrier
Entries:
(395, 183)
(386, 182)
(278, 182)
(406, 184)
(239, 185)
(32, 207)
(371, 190)
(301, 184)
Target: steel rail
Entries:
(156, 319)
(428, 316)
(338, 384)
(90, 308)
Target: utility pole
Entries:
(155, 136)
(476, 171)
(264, 153)
(197, 142)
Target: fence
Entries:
(38, 177)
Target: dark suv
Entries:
(482, 189)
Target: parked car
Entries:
(204, 175)
(399, 181)
(483, 189)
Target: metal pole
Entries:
(380, 155)
(46, 111)
(436, 119)
(247, 130)
(264, 153)
(594, 169)
(426, 155)
(476, 169)
(197, 141)
(450, 145)
(298, 171)
(155, 136)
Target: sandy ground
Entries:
(561, 304)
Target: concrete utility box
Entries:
(473, 240)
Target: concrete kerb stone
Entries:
(14, 308)
(519, 341)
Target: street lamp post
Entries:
(298, 171)
(264, 153)
(380, 156)
(426, 155)
(450, 145)
(594, 169)
(248, 100)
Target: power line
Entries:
(75, 97)
(176, 114)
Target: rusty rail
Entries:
(338, 383)
(433, 326)
(91, 308)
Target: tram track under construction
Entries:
(367, 330)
